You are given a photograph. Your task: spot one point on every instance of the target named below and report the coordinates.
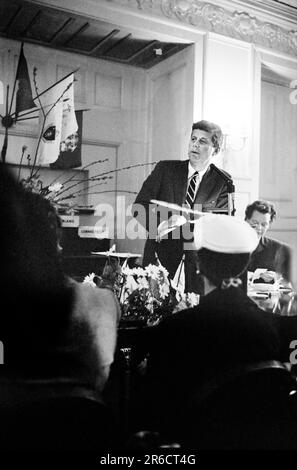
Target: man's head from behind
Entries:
(224, 245)
(260, 214)
(30, 247)
(206, 140)
(32, 279)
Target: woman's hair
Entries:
(265, 207)
(214, 130)
(219, 266)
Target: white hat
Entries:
(224, 234)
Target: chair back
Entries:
(266, 377)
(252, 406)
(57, 422)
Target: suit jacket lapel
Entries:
(204, 188)
(181, 182)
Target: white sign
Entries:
(92, 232)
(70, 220)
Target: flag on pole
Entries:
(50, 135)
(24, 98)
(70, 148)
(69, 122)
(1, 92)
(59, 121)
(179, 277)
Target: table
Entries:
(281, 301)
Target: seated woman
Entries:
(269, 253)
(54, 330)
(225, 331)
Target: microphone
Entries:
(230, 188)
(227, 178)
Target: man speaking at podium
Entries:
(194, 184)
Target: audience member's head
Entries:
(41, 236)
(11, 220)
(32, 280)
(224, 245)
(260, 214)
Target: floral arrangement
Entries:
(146, 295)
(185, 300)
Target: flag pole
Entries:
(20, 116)
(59, 81)
(26, 119)
(4, 147)
(5, 142)
(15, 78)
(7, 99)
(27, 113)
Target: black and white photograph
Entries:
(148, 199)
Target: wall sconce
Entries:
(233, 142)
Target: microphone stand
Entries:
(231, 198)
(230, 190)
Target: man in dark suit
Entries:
(173, 181)
(270, 254)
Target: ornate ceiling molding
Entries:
(267, 23)
(236, 24)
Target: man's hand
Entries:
(169, 225)
(268, 276)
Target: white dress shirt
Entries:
(191, 172)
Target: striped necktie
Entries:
(190, 197)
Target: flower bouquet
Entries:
(146, 295)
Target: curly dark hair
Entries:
(265, 207)
(214, 130)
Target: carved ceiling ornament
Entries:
(236, 24)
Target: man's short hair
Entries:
(265, 207)
(214, 130)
